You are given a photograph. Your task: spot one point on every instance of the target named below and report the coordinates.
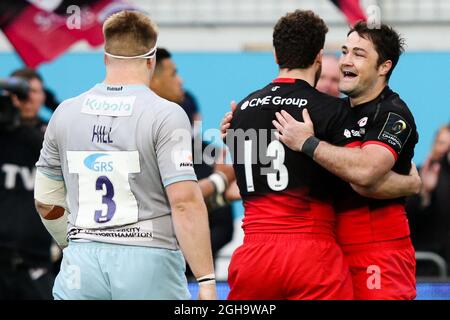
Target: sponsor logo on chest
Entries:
(274, 100)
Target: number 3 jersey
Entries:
(285, 191)
(117, 148)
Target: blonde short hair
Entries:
(129, 33)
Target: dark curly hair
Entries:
(387, 42)
(298, 37)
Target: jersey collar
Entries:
(290, 81)
(284, 80)
(119, 88)
(383, 95)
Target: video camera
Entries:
(9, 115)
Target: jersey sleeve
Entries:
(390, 129)
(174, 146)
(49, 162)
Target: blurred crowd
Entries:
(429, 211)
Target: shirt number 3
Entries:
(105, 198)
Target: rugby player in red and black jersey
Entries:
(289, 249)
(374, 234)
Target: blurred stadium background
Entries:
(223, 51)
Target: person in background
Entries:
(29, 108)
(50, 105)
(190, 105)
(25, 259)
(429, 172)
(42, 101)
(428, 212)
(329, 78)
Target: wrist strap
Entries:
(207, 282)
(310, 145)
(207, 279)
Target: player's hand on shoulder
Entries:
(291, 132)
(225, 124)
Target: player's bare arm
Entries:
(368, 168)
(393, 185)
(190, 220)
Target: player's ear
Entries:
(105, 61)
(319, 57)
(385, 67)
(151, 63)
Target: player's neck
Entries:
(119, 77)
(369, 94)
(308, 75)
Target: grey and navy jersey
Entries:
(117, 148)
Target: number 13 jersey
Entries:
(285, 191)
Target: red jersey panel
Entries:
(291, 211)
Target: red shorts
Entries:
(289, 266)
(383, 270)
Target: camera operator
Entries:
(25, 264)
